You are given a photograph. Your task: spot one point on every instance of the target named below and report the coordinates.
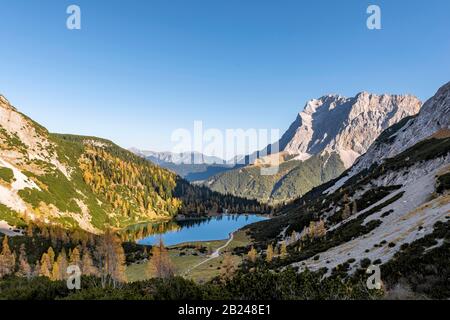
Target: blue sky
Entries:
(137, 70)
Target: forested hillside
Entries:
(293, 179)
(87, 182)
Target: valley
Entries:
(249, 159)
(370, 195)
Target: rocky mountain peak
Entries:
(348, 126)
(322, 104)
(433, 117)
(5, 104)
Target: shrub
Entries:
(365, 263)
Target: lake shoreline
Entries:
(216, 228)
(188, 218)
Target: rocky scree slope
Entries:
(393, 211)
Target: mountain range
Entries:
(386, 204)
(391, 209)
(192, 166)
(324, 140)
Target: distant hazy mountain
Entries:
(325, 139)
(193, 166)
(178, 158)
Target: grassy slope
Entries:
(192, 256)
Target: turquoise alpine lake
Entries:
(207, 229)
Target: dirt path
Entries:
(214, 255)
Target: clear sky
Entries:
(138, 70)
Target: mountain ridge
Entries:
(192, 166)
(392, 212)
(415, 128)
(331, 127)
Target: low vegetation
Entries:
(6, 174)
(423, 265)
(257, 285)
(443, 183)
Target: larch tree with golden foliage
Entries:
(354, 208)
(7, 259)
(75, 258)
(228, 266)
(283, 251)
(346, 212)
(111, 259)
(24, 266)
(46, 266)
(56, 272)
(160, 264)
(252, 255)
(51, 255)
(269, 253)
(62, 263)
(37, 269)
(88, 268)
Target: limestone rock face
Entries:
(347, 126)
(434, 118)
